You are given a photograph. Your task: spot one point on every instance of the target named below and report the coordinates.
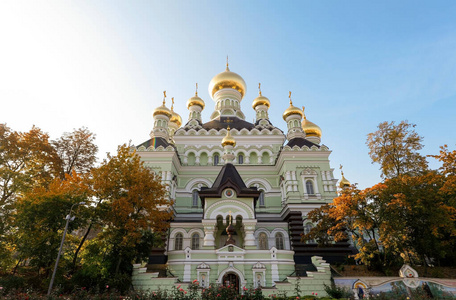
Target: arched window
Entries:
(279, 241)
(241, 159)
(309, 187)
(216, 159)
(263, 241)
(195, 241)
(261, 198)
(307, 229)
(178, 241)
(195, 198)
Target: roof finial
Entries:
(164, 97)
(341, 170)
(289, 96)
(172, 103)
(196, 91)
(227, 68)
(259, 88)
(228, 128)
(303, 108)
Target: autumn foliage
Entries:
(409, 217)
(126, 209)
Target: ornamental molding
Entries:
(237, 207)
(203, 266)
(309, 171)
(234, 131)
(159, 148)
(258, 266)
(408, 272)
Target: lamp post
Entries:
(68, 218)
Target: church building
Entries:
(241, 190)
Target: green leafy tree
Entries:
(40, 220)
(395, 148)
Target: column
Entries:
(209, 228)
(249, 229)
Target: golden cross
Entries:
(196, 92)
(172, 104)
(289, 96)
(164, 97)
(227, 61)
(259, 88)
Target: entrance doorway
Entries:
(231, 279)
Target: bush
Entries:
(11, 282)
(337, 292)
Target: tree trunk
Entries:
(80, 246)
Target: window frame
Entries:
(195, 243)
(178, 241)
(280, 241)
(264, 243)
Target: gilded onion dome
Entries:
(175, 117)
(162, 110)
(195, 100)
(343, 182)
(292, 110)
(310, 128)
(260, 100)
(228, 139)
(227, 79)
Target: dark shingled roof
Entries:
(224, 122)
(229, 178)
(300, 142)
(157, 141)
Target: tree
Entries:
(406, 217)
(76, 150)
(360, 215)
(27, 159)
(395, 148)
(132, 203)
(448, 169)
(40, 219)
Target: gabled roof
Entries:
(300, 142)
(156, 142)
(224, 122)
(229, 178)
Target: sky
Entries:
(352, 64)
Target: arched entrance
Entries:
(231, 279)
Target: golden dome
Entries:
(292, 110)
(344, 182)
(227, 79)
(260, 100)
(310, 128)
(175, 117)
(228, 139)
(162, 110)
(195, 100)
